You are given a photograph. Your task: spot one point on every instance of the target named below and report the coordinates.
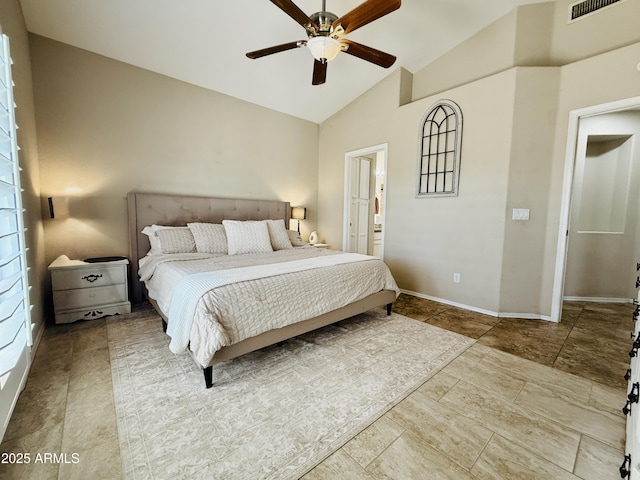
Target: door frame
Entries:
(383, 147)
(567, 188)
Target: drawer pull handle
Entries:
(627, 375)
(92, 278)
(633, 397)
(625, 468)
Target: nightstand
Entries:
(87, 291)
(321, 245)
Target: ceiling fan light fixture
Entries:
(324, 48)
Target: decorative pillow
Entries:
(247, 237)
(278, 235)
(209, 237)
(294, 238)
(151, 231)
(176, 240)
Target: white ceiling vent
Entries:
(584, 8)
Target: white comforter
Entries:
(247, 295)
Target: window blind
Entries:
(15, 324)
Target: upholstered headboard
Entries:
(164, 209)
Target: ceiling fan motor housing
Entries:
(324, 20)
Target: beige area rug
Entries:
(274, 413)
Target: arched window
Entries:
(439, 150)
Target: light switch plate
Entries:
(520, 214)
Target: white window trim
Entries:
(15, 309)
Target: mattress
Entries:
(263, 298)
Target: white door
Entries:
(359, 205)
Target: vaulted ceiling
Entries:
(203, 42)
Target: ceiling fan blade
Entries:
(291, 9)
(319, 72)
(275, 49)
(365, 13)
(369, 54)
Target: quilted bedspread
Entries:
(234, 311)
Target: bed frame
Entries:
(165, 209)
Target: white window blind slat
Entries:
(8, 214)
(9, 306)
(6, 284)
(11, 326)
(10, 355)
(6, 168)
(8, 260)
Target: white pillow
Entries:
(151, 231)
(247, 237)
(294, 238)
(278, 235)
(209, 237)
(176, 240)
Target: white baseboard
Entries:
(526, 316)
(36, 341)
(598, 299)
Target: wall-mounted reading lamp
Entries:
(298, 213)
(58, 207)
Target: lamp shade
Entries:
(324, 48)
(298, 213)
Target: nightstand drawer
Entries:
(92, 313)
(88, 277)
(87, 297)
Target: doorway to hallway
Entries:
(365, 200)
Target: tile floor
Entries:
(529, 400)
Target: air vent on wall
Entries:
(581, 9)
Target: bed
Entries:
(206, 319)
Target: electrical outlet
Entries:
(456, 278)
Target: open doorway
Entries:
(365, 200)
(599, 218)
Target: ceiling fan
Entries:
(326, 33)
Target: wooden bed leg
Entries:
(389, 308)
(208, 376)
(164, 326)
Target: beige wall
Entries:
(13, 26)
(522, 37)
(530, 161)
(514, 141)
(107, 128)
(427, 240)
(530, 35)
(609, 29)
